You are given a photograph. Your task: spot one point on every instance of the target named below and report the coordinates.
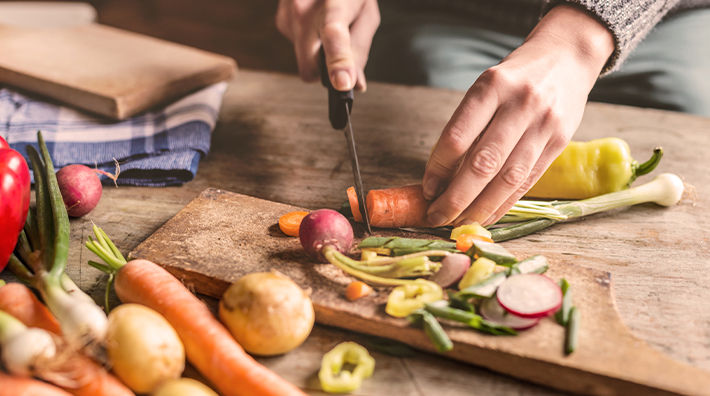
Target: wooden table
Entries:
(273, 141)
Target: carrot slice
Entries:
(356, 290)
(354, 207)
(465, 241)
(393, 207)
(291, 222)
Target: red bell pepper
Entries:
(14, 199)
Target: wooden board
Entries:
(221, 236)
(105, 70)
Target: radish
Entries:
(453, 267)
(81, 188)
(325, 228)
(529, 295)
(492, 311)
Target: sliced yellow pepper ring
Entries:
(405, 299)
(333, 379)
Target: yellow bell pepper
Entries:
(588, 169)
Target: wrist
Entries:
(577, 32)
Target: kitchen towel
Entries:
(157, 148)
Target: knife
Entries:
(340, 103)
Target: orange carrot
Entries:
(356, 290)
(465, 241)
(91, 378)
(19, 301)
(14, 386)
(291, 222)
(208, 344)
(393, 207)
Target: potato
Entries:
(143, 348)
(267, 313)
(183, 387)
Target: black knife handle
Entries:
(336, 99)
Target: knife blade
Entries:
(339, 107)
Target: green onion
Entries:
(442, 310)
(665, 190)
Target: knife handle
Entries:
(336, 99)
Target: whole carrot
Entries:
(25, 386)
(90, 378)
(208, 344)
(19, 301)
(393, 207)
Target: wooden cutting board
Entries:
(105, 70)
(220, 236)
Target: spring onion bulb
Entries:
(24, 350)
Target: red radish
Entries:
(325, 227)
(492, 311)
(453, 267)
(529, 295)
(80, 187)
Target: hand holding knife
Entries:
(339, 106)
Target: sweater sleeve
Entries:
(628, 20)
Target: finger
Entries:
(469, 120)
(335, 36)
(306, 47)
(283, 19)
(551, 151)
(511, 179)
(480, 165)
(362, 30)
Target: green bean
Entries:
(433, 329)
(571, 331)
(562, 314)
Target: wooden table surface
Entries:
(273, 141)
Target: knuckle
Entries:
(553, 120)
(531, 95)
(557, 142)
(454, 137)
(486, 161)
(333, 29)
(515, 175)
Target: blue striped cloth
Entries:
(157, 148)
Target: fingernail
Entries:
(342, 80)
(436, 219)
(431, 187)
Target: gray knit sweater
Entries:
(628, 20)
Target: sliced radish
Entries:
(492, 311)
(529, 295)
(453, 267)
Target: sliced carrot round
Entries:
(465, 241)
(291, 222)
(357, 289)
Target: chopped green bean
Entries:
(433, 329)
(571, 331)
(562, 315)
